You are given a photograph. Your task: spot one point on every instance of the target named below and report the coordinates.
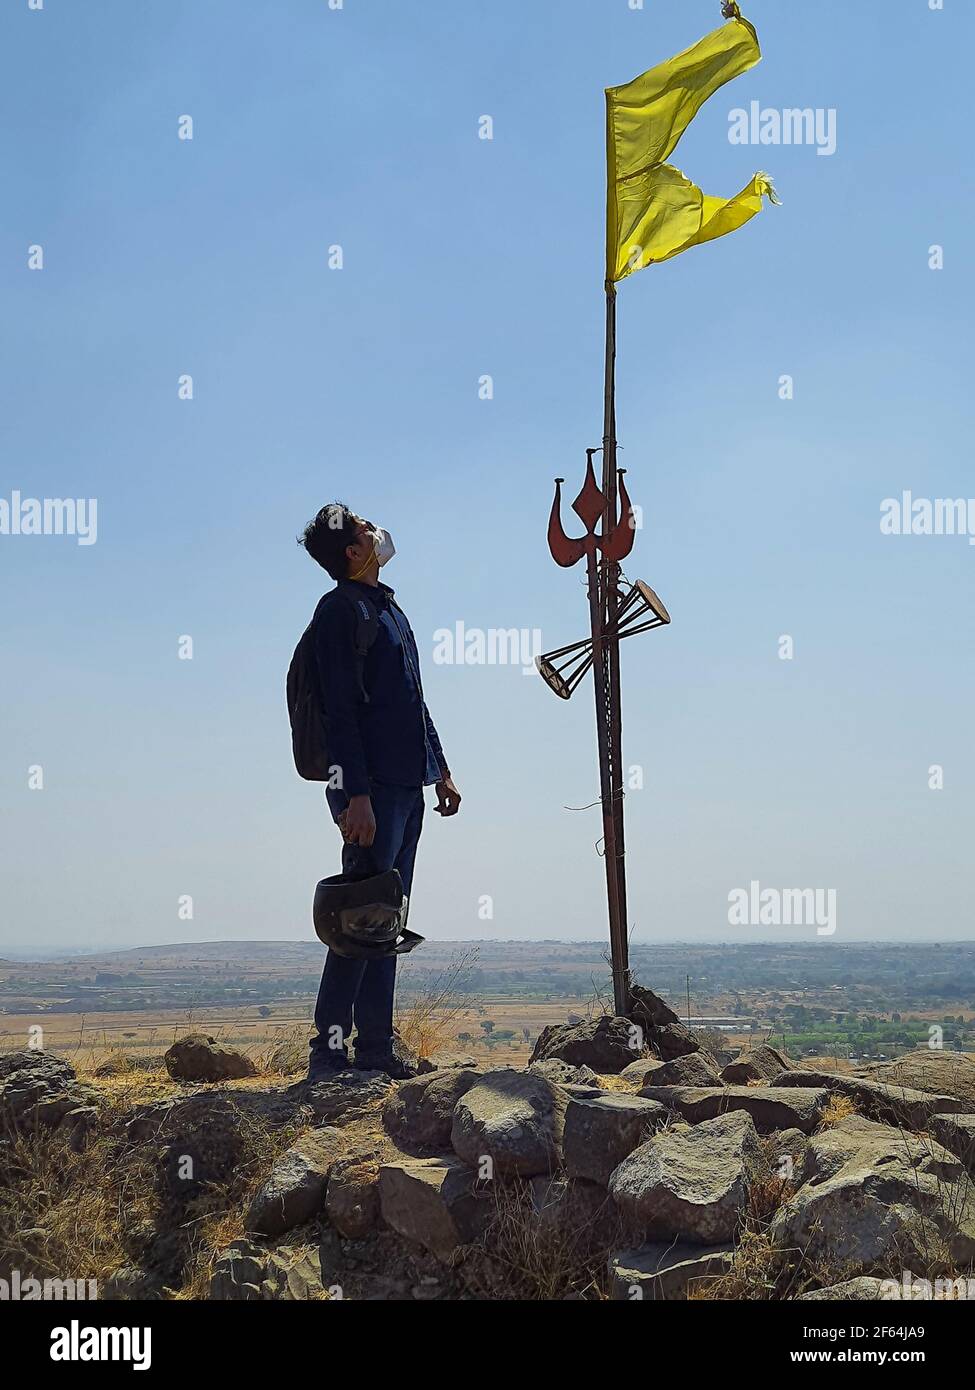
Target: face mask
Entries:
(383, 549)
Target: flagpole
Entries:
(606, 676)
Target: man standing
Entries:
(384, 747)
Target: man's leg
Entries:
(374, 1002)
(343, 976)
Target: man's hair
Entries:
(326, 538)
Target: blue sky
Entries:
(463, 257)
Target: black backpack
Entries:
(304, 692)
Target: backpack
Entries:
(304, 691)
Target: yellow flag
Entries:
(653, 211)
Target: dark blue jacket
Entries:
(391, 738)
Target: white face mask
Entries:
(385, 549)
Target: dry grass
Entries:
(427, 1024)
(533, 1259)
(837, 1108)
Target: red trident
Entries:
(589, 506)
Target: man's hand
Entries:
(448, 797)
(357, 822)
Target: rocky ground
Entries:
(623, 1163)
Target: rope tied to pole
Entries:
(730, 10)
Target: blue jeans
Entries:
(361, 991)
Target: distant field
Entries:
(93, 1037)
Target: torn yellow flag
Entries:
(653, 211)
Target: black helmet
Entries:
(363, 915)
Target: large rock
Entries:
(446, 1061)
(689, 1184)
(344, 1098)
(666, 1270)
(599, 1133)
(199, 1057)
(956, 1133)
(771, 1107)
(419, 1113)
(672, 1041)
(39, 1088)
(433, 1202)
(605, 1044)
(246, 1272)
(861, 1290)
(295, 1190)
(897, 1105)
(352, 1196)
(649, 1010)
(931, 1069)
(513, 1119)
(692, 1069)
(871, 1197)
(564, 1073)
(762, 1063)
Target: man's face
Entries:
(364, 550)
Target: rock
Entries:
(649, 1010)
(638, 1073)
(689, 1184)
(295, 1190)
(564, 1074)
(515, 1119)
(956, 1133)
(665, 1270)
(352, 1196)
(433, 1202)
(198, 1057)
(692, 1069)
(247, 1272)
(674, 1040)
(786, 1152)
(606, 1044)
(897, 1105)
(760, 1064)
(419, 1113)
(292, 1276)
(870, 1196)
(39, 1088)
(238, 1272)
(601, 1132)
(345, 1097)
(931, 1069)
(771, 1107)
(850, 1291)
(446, 1061)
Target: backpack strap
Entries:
(366, 629)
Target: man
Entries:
(382, 741)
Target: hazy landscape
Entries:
(492, 999)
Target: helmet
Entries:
(363, 915)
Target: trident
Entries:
(615, 612)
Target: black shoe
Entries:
(395, 1069)
(326, 1068)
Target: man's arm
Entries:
(338, 676)
(448, 797)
